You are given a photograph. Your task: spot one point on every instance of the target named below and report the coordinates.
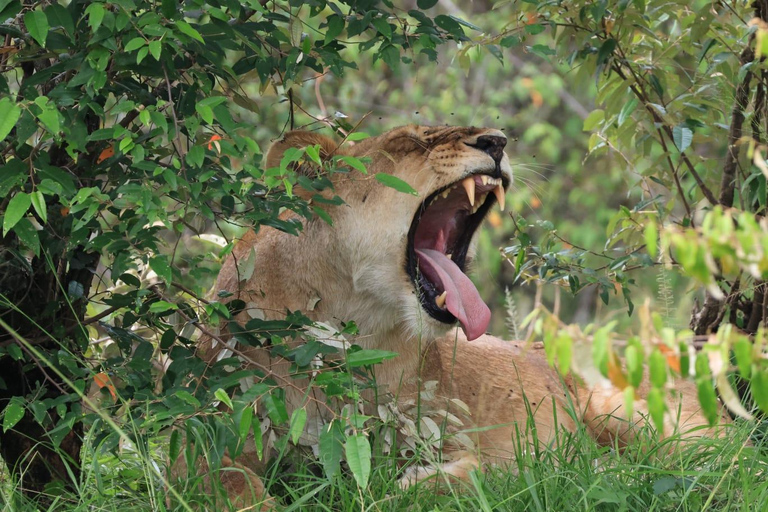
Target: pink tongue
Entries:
(462, 299)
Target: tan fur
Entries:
(357, 271)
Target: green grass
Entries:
(727, 473)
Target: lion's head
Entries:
(401, 257)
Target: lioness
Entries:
(395, 264)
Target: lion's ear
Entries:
(300, 140)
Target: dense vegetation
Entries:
(131, 135)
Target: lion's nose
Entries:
(493, 145)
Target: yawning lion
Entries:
(396, 263)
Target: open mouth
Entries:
(438, 241)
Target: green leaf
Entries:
(298, 421)
(174, 445)
(606, 50)
(155, 48)
(205, 112)
(759, 387)
(143, 52)
(657, 367)
(742, 349)
(331, 450)
(541, 50)
(706, 389)
(161, 267)
(59, 16)
(391, 55)
(594, 119)
(257, 437)
(358, 454)
(629, 400)
(323, 215)
(246, 420)
(161, 306)
(395, 183)
(600, 349)
(16, 209)
(633, 355)
(213, 101)
(313, 152)
(383, 27)
(9, 115)
(356, 136)
(450, 25)
(535, 28)
(38, 202)
(657, 407)
(682, 136)
(12, 415)
(95, 13)
(28, 235)
(335, 27)
(651, 238)
(187, 29)
(37, 25)
(426, 4)
(134, 44)
(187, 397)
(48, 115)
(627, 110)
(276, 409)
(368, 357)
(354, 163)
(221, 394)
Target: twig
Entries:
(99, 316)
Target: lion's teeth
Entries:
(499, 191)
(449, 256)
(485, 179)
(445, 193)
(469, 185)
(440, 300)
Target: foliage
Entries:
(674, 81)
(123, 141)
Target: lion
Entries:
(396, 264)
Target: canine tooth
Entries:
(440, 300)
(485, 179)
(469, 185)
(449, 256)
(445, 193)
(499, 191)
